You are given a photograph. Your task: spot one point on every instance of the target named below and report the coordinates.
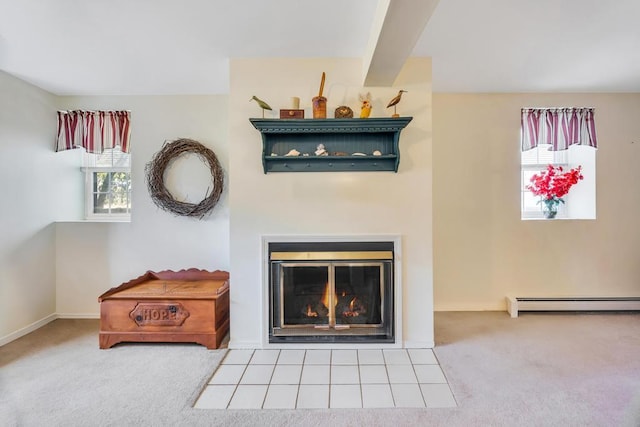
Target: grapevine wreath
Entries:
(155, 169)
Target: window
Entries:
(107, 185)
(533, 162)
(561, 137)
(580, 202)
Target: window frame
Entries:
(89, 173)
(538, 168)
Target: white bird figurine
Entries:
(395, 102)
(261, 103)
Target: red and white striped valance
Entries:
(95, 131)
(559, 127)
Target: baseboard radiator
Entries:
(518, 304)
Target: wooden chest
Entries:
(185, 306)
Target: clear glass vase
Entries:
(550, 207)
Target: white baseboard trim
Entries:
(27, 329)
(518, 304)
(78, 316)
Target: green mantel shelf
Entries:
(349, 142)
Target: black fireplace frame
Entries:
(385, 334)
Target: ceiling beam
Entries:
(396, 28)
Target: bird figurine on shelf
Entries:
(395, 102)
(263, 105)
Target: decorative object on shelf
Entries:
(319, 103)
(293, 153)
(321, 136)
(551, 185)
(294, 112)
(154, 171)
(263, 105)
(365, 105)
(377, 153)
(321, 151)
(394, 102)
(343, 112)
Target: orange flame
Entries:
(311, 313)
(325, 296)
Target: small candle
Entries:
(295, 103)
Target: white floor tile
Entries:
(291, 357)
(257, 374)
(407, 396)
(370, 357)
(228, 374)
(248, 397)
(286, 374)
(345, 396)
(422, 356)
(345, 374)
(401, 374)
(373, 374)
(315, 374)
(376, 396)
(431, 374)
(438, 396)
(237, 357)
(344, 357)
(215, 397)
(313, 396)
(344, 378)
(264, 357)
(281, 397)
(396, 357)
(317, 357)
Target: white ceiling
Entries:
(93, 47)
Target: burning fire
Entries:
(310, 312)
(326, 296)
(351, 312)
(354, 308)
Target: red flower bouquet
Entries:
(552, 184)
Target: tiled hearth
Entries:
(311, 379)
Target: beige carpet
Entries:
(537, 370)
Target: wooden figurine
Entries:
(263, 105)
(395, 102)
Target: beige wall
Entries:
(345, 203)
(28, 172)
(483, 251)
(93, 257)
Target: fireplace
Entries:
(331, 292)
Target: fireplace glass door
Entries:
(335, 295)
(331, 300)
